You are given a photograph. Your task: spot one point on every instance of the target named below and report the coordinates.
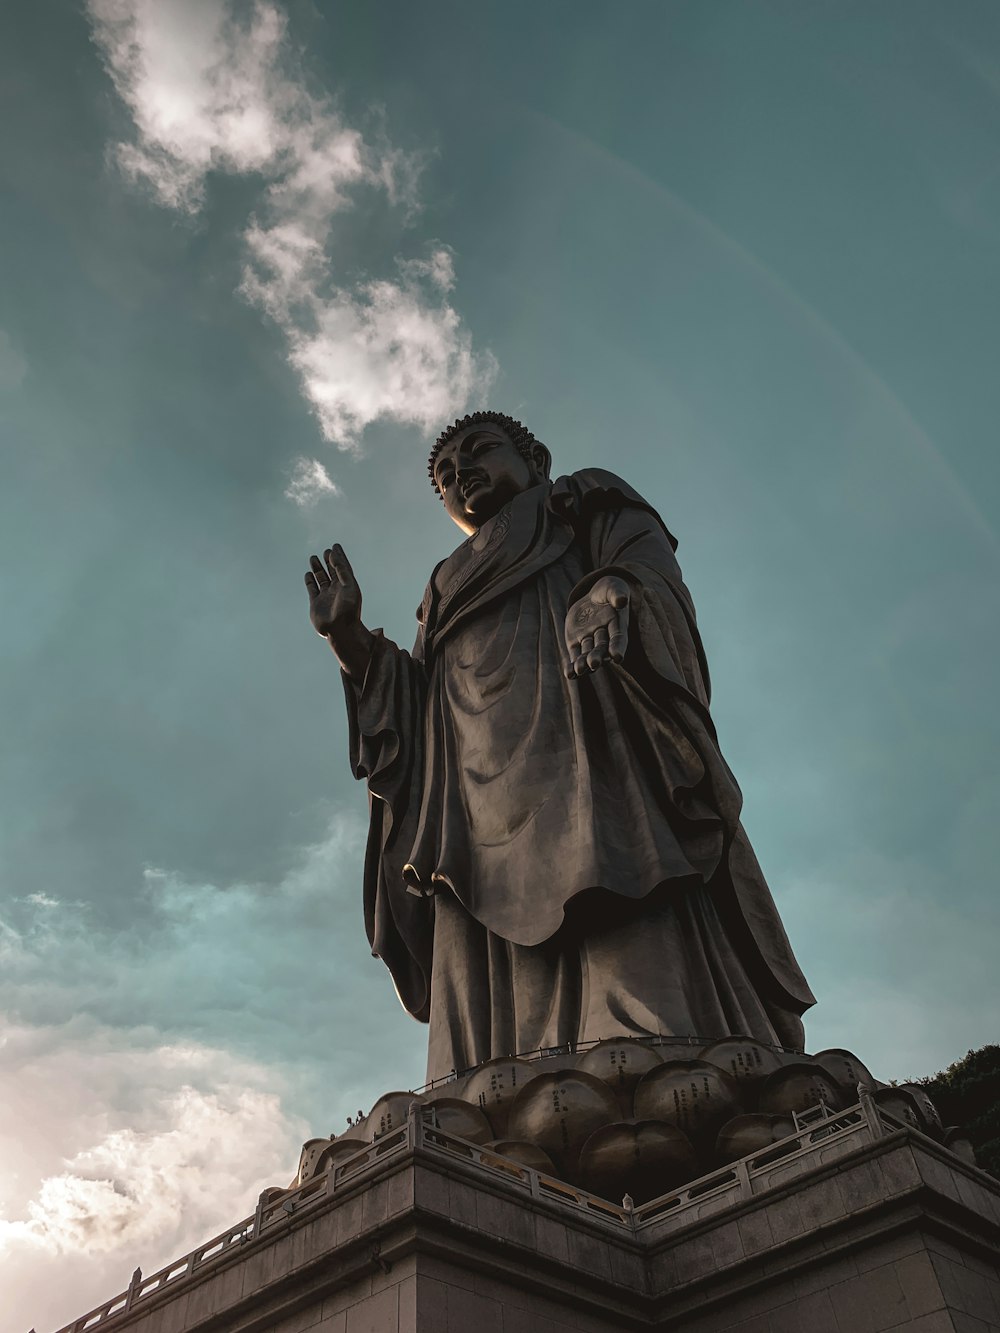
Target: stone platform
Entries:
(855, 1224)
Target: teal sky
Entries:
(743, 253)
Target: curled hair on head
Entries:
(521, 437)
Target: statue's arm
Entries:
(335, 610)
(619, 531)
(385, 690)
(632, 563)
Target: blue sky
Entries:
(251, 257)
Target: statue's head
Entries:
(481, 462)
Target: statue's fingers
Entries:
(312, 587)
(322, 577)
(572, 653)
(331, 559)
(340, 566)
(610, 591)
(598, 655)
(586, 653)
(618, 643)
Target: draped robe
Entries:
(553, 860)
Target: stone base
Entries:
(853, 1226)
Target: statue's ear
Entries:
(542, 459)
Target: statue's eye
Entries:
(445, 477)
(481, 446)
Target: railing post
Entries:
(135, 1282)
(871, 1113)
(415, 1126)
(258, 1213)
(743, 1176)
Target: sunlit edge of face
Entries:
(502, 470)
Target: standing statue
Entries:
(555, 852)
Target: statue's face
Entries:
(478, 471)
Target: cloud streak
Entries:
(216, 88)
(212, 961)
(309, 482)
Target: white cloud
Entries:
(216, 87)
(42, 900)
(13, 366)
(119, 1151)
(309, 481)
(387, 349)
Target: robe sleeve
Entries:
(624, 536)
(665, 668)
(386, 723)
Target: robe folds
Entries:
(553, 860)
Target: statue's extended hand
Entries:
(335, 608)
(597, 626)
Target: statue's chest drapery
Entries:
(510, 710)
(500, 726)
(508, 551)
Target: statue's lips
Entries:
(471, 487)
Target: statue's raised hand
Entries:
(335, 609)
(597, 626)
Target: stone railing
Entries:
(812, 1145)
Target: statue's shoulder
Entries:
(594, 489)
(596, 485)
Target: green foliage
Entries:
(967, 1093)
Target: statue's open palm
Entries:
(334, 594)
(597, 626)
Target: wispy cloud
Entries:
(217, 87)
(309, 481)
(209, 962)
(42, 900)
